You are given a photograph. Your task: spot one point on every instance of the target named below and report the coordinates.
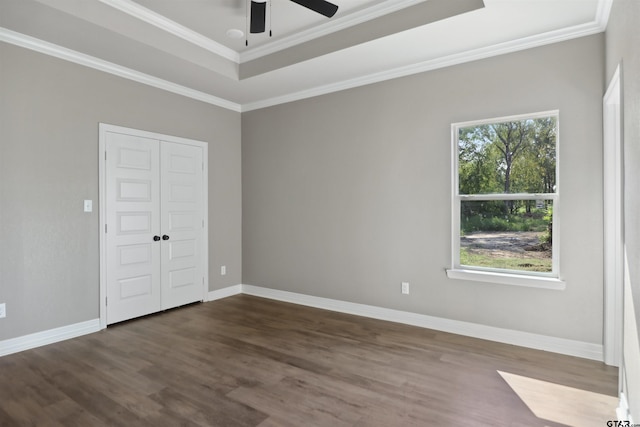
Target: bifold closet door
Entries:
(154, 225)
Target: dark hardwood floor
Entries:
(247, 361)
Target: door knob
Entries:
(165, 237)
(156, 238)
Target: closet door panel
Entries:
(133, 219)
(182, 224)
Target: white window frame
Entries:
(548, 280)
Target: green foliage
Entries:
(547, 237)
(509, 157)
(479, 259)
(480, 221)
(506, 158)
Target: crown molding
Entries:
(603, 12)
(159, 21)
(60, 52)
(329, 27)
(150, 17)
(140, 12)
(530, 42)
(597, 26)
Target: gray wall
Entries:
(622, 41)
(49, 115)
(347, 195)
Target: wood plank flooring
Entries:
(247, 361)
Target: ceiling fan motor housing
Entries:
(258, 16)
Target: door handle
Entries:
(165, 237)
(156, 238)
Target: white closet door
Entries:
(182, 224)
(133, 220)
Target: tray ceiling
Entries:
(182, 45)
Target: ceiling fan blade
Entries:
(258, 17)
(323, 7)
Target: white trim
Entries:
(509, 196)
(205, 210)
(51, 49)
(159, 21)
(526, 280)
(224, 292)
(163, 23)
(550, 280)
(613, 90)
(507, 336)
(102, 218)
(603, 12)
(60, 52)
(623, 412)
(514, 117)
(329, 27)
(433, 64)
(103, 128)
(613, 221)
(38, 339)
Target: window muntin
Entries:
(505, 202)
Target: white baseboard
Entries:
(507, 336)
(26, 342)
(224, 292)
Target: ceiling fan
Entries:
(259, 11)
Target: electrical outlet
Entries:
(223, 270)
(3, 310)
(405, 288)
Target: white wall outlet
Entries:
(223, 270)
(405, 287)
(3, 310)
(88, 205)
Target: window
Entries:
(505, 200)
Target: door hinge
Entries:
(105, 228)
(105, 155)
(106, 300)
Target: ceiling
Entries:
(182, 45)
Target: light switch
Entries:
(88, 205)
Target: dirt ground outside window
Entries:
(514, 250)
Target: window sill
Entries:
(507, 279)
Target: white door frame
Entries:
(613, 221)
(102, 170)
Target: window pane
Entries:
(510, 157)
(512, 234)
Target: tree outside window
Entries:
(506, 194)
